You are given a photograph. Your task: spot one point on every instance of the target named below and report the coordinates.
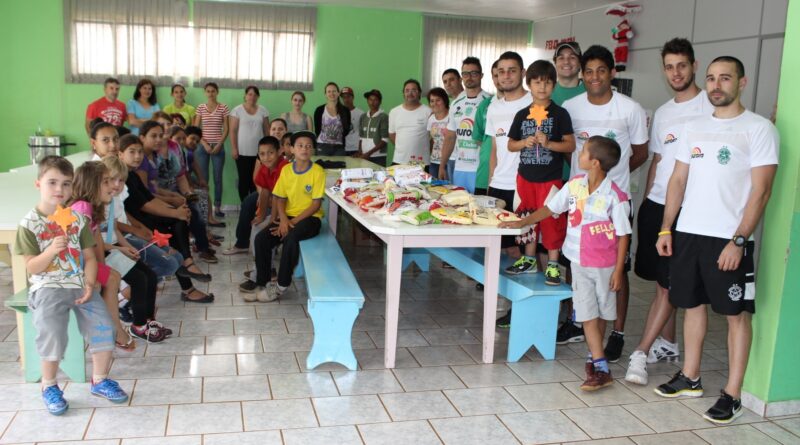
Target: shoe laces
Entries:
(52, 394)
(552, 270)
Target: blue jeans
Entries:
(156, 258)
(451, 168)
(218, 161)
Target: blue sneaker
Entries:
(54, 400)
(109, 389)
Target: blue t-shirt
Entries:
(136, 109)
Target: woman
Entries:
(179, 106)
(143, 105)
(437, 123)
(296, 120)
(212, 117)
(249, 122)
(332, 123)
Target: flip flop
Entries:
(129, 346)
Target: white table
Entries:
(399, 235)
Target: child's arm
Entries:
(89, 275)
(36, 264)
(492, 159)
(310, 210)
(283, 224)
(515, 145)
(183, 184)
(540, 214)
(99, 247)
(201, 180)
(264, 195)
(158, 207)
(619, 270)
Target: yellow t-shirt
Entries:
(300, 189)
(187, 111)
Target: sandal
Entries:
(129, 346)
(209, 298)
(184, 272)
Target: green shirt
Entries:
(561, 94)
(187, 111)
(478, 134)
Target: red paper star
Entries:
(161, 239)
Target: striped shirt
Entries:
(211, 122)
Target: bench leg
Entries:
(534, 322)
(333, 329)
(419, 256)
(73, 364)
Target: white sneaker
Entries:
(233, 250)
(269, 293)
(637, 369)
(251, 296)
(663, 350)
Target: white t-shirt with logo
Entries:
(720, 154)
(351, 140)
(462, 121)
(499, 117)
(621, 119)
(411, 134)
(668, 127)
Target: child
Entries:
(58, 284)
(286, 147)
(179, 105)
(542, 133)
(194, 139)
(298, 199)
(597, 241)
(104, 140)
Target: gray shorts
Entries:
(51, 307)
(592, 296)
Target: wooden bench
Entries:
(334, 299)
(534, 318)
(73, 363)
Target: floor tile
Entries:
(677, 438)
(418, 405)
(21, 396)
(476, 376)
(373, 359)
(235, 388)
(480, 401)
(298, 325)
(545, 396)
(473, 430)
(448, 336)
(201, 328)
(399, 433)
(793, 425)
(422, 379)
(251, 438)
(167, 391)
(205, 365)
(349, 410)
(278, 414)
(665, 417)
(171, 314)
(309, 384)
(41, 426)
(205, 418)
(332, 435)
(267, 363)
(219, 344)
(231, 313)
(142, 368)
(269, 311)
(176, 440)
(549, 371)
(177, 346)
(366, 382)
(276, 326)
(150, 421)
(607, 421)
(287, 342)
(441, 355)
(616, 394)
(405, 338)
(543, 427)
(735, 434)
(776, 432)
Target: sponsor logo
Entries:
(500, 133)
(724, 155)
(583, 135)
(465, 128)
(670, 139)
(735, 292)
(308, 188)
(697, 153)
(458, 111)
(611, 135)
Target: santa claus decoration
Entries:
(622, 33)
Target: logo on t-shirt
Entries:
(611, 135)
(500, 133)
(458, 112)
(724, 155)
(308, 188)
(583, 136)
(670, 139)
(697, 153)
(465, 128)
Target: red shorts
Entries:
(103, 271)
(532, 196)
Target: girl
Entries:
(179, 106)
(296, 120)
(286, 147)
(91, 194)
(143, 105)
(212, 117)
(277, 128)
(104, 140)
(437, 124)
(332, 123)
(249, 123)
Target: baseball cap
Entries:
(373, 93)
(304, 133)
(347, 90)
(574, 46)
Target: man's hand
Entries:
(664, 245)
(616, 280)
(730, 257)
(86, 296)
(59, 243)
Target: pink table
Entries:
(399, 235)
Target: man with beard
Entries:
(458, 137)
(108, 107)
(669, 121)
(451, 81)
(408, 129)
(721, 184)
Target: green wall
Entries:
(356, 47)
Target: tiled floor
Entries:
(235, 374)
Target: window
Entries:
(449, 40)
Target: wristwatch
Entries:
(738, 240)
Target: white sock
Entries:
(48, 383)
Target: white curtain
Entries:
(448, 40)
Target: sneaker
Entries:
(54, 401)
(248, 286)
(588, 368)
(680, 386)
(663, 350)
(569, 333)
(613, 350)
(552, 275)
(725, 411)
(150, 334)
(504, 321)
(637, 368)
(234, 250)
(109, 390)
(125, 314)
(522, 265)
(597, 380)
(159, 325)
(268, 293)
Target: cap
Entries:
(574, 46)
(373, 93)
(347, 90)
(305, 133)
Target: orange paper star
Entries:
(161, 239)
(64, 217)
(538, 113)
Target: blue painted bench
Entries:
(73, 363)
(334, 299)
(534, 318)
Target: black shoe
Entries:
(248, 286)
(613, 350)
(680, 386)
(725, 410)
(125, 314)
(569, 333)
(183, 272)
(504, 321)
(248, 273)
(479, 286)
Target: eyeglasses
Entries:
(470, 73)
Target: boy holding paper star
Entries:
(542, 134)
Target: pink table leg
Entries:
(491, 277)
(394, 262)
(333, 212)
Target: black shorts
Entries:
(696, 278)
(628, 253)
(648, 264)
(508, 197)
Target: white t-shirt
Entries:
(720, 154)
(351, 140)
(462, 120)
(436, 129)
(411, 134)
(621, 119)
(499, 117)
(669, 123)
(251, 129)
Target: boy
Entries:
(596, 244)
(297, 205)
(542, 134)
(58, 284)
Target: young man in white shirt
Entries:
(408, 127)
(723, 176)
(603, 112)
(351, 140)
(669, 122)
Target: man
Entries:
(458, 136)
(567, 60)
(351, 140)
(602, 112)
(721, 183)
(479, 134)
(408, 129)
(688, 104)
(373, 129)
(451, 81)
(108, 107)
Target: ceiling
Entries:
(512, 9)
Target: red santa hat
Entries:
(623, 9)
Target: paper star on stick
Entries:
(64, 217)
(161, 239)
(538, 113)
